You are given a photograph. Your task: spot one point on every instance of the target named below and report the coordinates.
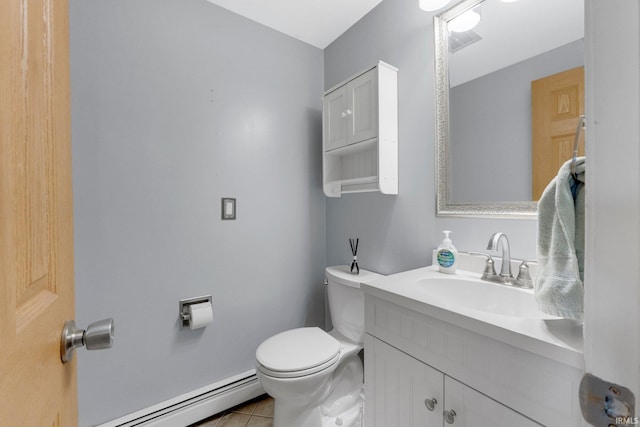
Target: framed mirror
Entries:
(484, 161)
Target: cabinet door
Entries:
(397, 386)
(474, 409)
(363, 107)
(335, 119)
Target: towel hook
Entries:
(579, 129)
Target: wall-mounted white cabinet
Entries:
(360, 133)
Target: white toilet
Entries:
(316, 377)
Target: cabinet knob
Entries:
(431, 403)
(449, 416)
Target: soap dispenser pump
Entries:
(447, 255)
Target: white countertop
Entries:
(548, 336)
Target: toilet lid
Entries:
(296, 350)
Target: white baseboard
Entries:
(194, 406)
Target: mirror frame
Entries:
(444, 206)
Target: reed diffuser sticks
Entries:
(354, 251)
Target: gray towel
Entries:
(559, 285)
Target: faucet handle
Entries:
(489, 267)
(524, 277)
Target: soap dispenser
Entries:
(447, 255)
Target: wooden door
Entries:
(557, 101)
(36, 230)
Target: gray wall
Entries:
(491, 125)
(399, 232)
(177, 103)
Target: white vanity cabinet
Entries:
(360, 133)
(416, 352)
(402, 391)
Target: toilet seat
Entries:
(297, 352)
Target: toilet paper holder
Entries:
(184, 307)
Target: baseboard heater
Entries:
(194, 406)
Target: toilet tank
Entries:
(346, 300)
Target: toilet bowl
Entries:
(316, 377)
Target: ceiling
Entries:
(513, 32)
(317, 22)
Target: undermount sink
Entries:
(474, 294)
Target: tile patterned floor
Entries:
(254, 413)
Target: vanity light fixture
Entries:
(431, 5)
(464, 22)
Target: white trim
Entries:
(196, 405)
(612, 295)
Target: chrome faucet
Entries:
(494, 245)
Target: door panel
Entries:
(474, 409)
(557, 101)
(400, 385)
(335, 119)
(363, 97)
(36, 229)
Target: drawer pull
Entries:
(431, 403)
(449, 416)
